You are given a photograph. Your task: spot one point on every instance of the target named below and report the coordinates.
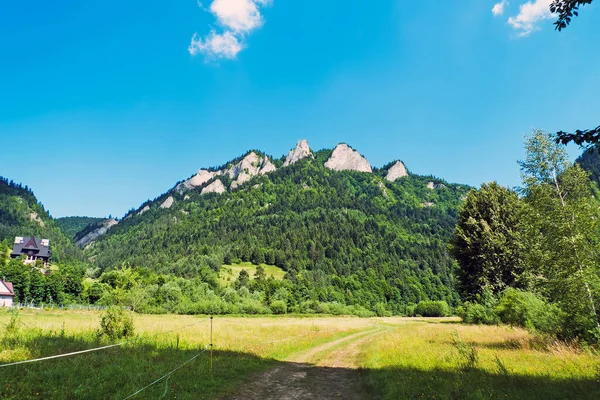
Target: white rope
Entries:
(63, 355)
(95, 349)
(165, 376)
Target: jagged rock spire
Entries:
(346, 159)
(302, 150)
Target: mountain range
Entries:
(342, 230)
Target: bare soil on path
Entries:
(326, 371)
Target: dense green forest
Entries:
(71, 226)
(348, 238)
(22, 215)
(349, 242)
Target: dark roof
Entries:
(30, 243)
(9, 286)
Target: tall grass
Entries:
(455, 361)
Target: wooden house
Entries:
(33, 249)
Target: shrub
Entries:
(380, 310)
(432, 309)
(278, 307)
(117, 323)
(475, 313)
(409, 311)
(525, 309)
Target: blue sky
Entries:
(104, 104)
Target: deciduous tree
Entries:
(561, 230)
(486, 241)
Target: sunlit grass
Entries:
(422, 359)
(229, 273)
(410, 358)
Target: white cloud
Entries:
(224, 45)
(498, 8)
(530, 14)
(238, 15)
(238, 18)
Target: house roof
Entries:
(6, 289)
(24, 245)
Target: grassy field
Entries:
(229, 273)
(397, 357)
(455, 361)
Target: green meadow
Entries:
(390, 358)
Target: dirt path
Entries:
(327, 371)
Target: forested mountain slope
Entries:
(590, 161)
(342, 235)
(22, 215)
(71, 226)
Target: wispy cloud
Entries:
(237, 19)
(530, 14)
(215, 45)
(498, 8)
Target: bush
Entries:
(526, 310)
(409, 310)
(278, 307)
(475, 313)
(117, 323)
(432, 309)
(380, 310)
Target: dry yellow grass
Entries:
(272, 337)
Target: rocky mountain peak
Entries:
(398, 170)
(302, 150)
(250, 166)
(344, 158)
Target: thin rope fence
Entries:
(168, 374)
(165, 376)
(63, 355)
(74, 353)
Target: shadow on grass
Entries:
(117, 372)
(408, 383)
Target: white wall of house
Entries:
(6, 301)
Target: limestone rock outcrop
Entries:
(302, 150)
(143, 210)
(249, 167)
(197, 180)
(96, 233)
(346, 159)
(168, 203)
(398, 170)
(215, 187)
(36, 218)
(267, 167)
